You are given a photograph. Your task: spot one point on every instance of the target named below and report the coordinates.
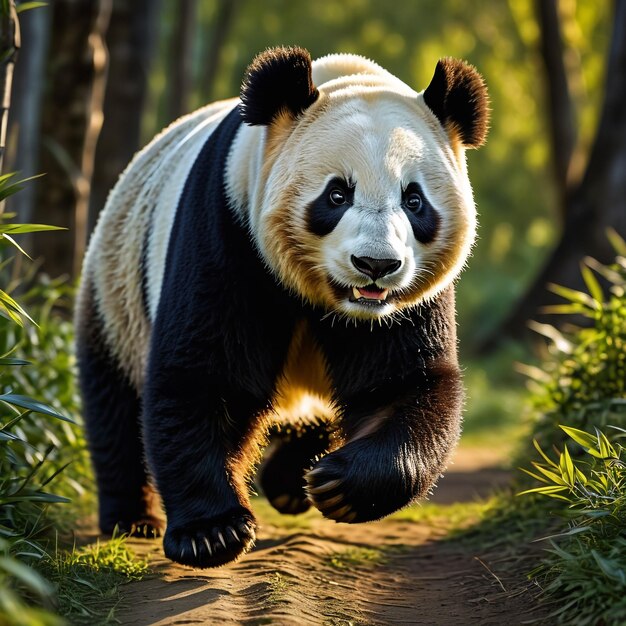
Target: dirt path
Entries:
(312, 571)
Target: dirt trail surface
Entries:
(313, 571)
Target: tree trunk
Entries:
(9, 45)
(597, 202)
(181, 55)
(225, 15)
(130, 39)
(71, 122)
(560, 106)
(25, 118)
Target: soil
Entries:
(387, 572)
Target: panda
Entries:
(285, 260)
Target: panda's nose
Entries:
(375, 268)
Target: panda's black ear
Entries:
(278, 80)
(457, 95)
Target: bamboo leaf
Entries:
(573, 295)
(544, 455)
(581, 437)
(9, 361)
(11, 305)
(606, 449)
(549, 331)
(567, 467)
(11, 315)
(555, 478)
(27, 6)
(27, 576)
(618, 243)
(547, 490)
(592, 284)
(566, 309)
(16, 245)
(18, 229)
(25, 402)
(535, 476)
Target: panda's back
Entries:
(125, 261)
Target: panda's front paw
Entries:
(212, 541)
(362, 482)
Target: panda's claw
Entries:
(324, 487)
(331, 502)
(207, 543)
(338, 514)
(210, 542)
(313, 473)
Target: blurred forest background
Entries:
(96, 79)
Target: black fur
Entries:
(278, 80)
(111, 411)
(408, 374)
(425, 222)
(145, 293)
(458, 97)
(220, 338)
(322, 215)
(291, 453)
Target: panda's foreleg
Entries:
(398, 440)
(200, 442)
(111, 412)
(291, 452)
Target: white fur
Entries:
(148, 190)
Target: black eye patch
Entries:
(324, 213)
(422, 216)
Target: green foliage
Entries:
(580, 392)
(586, 566)
(25, 467)
(38, 441)
(583, 384)
(87, 580)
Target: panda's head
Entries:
(362, 204)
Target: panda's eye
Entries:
(413, 201)
(337, 196)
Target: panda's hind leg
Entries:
(292, 451)
(111, 412)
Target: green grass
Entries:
(278, 586)
(586, 561)
(458, 515)
(80, 585)
(579, 395)
(88, 579)
(356, 557)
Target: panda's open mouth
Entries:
(370, 295)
